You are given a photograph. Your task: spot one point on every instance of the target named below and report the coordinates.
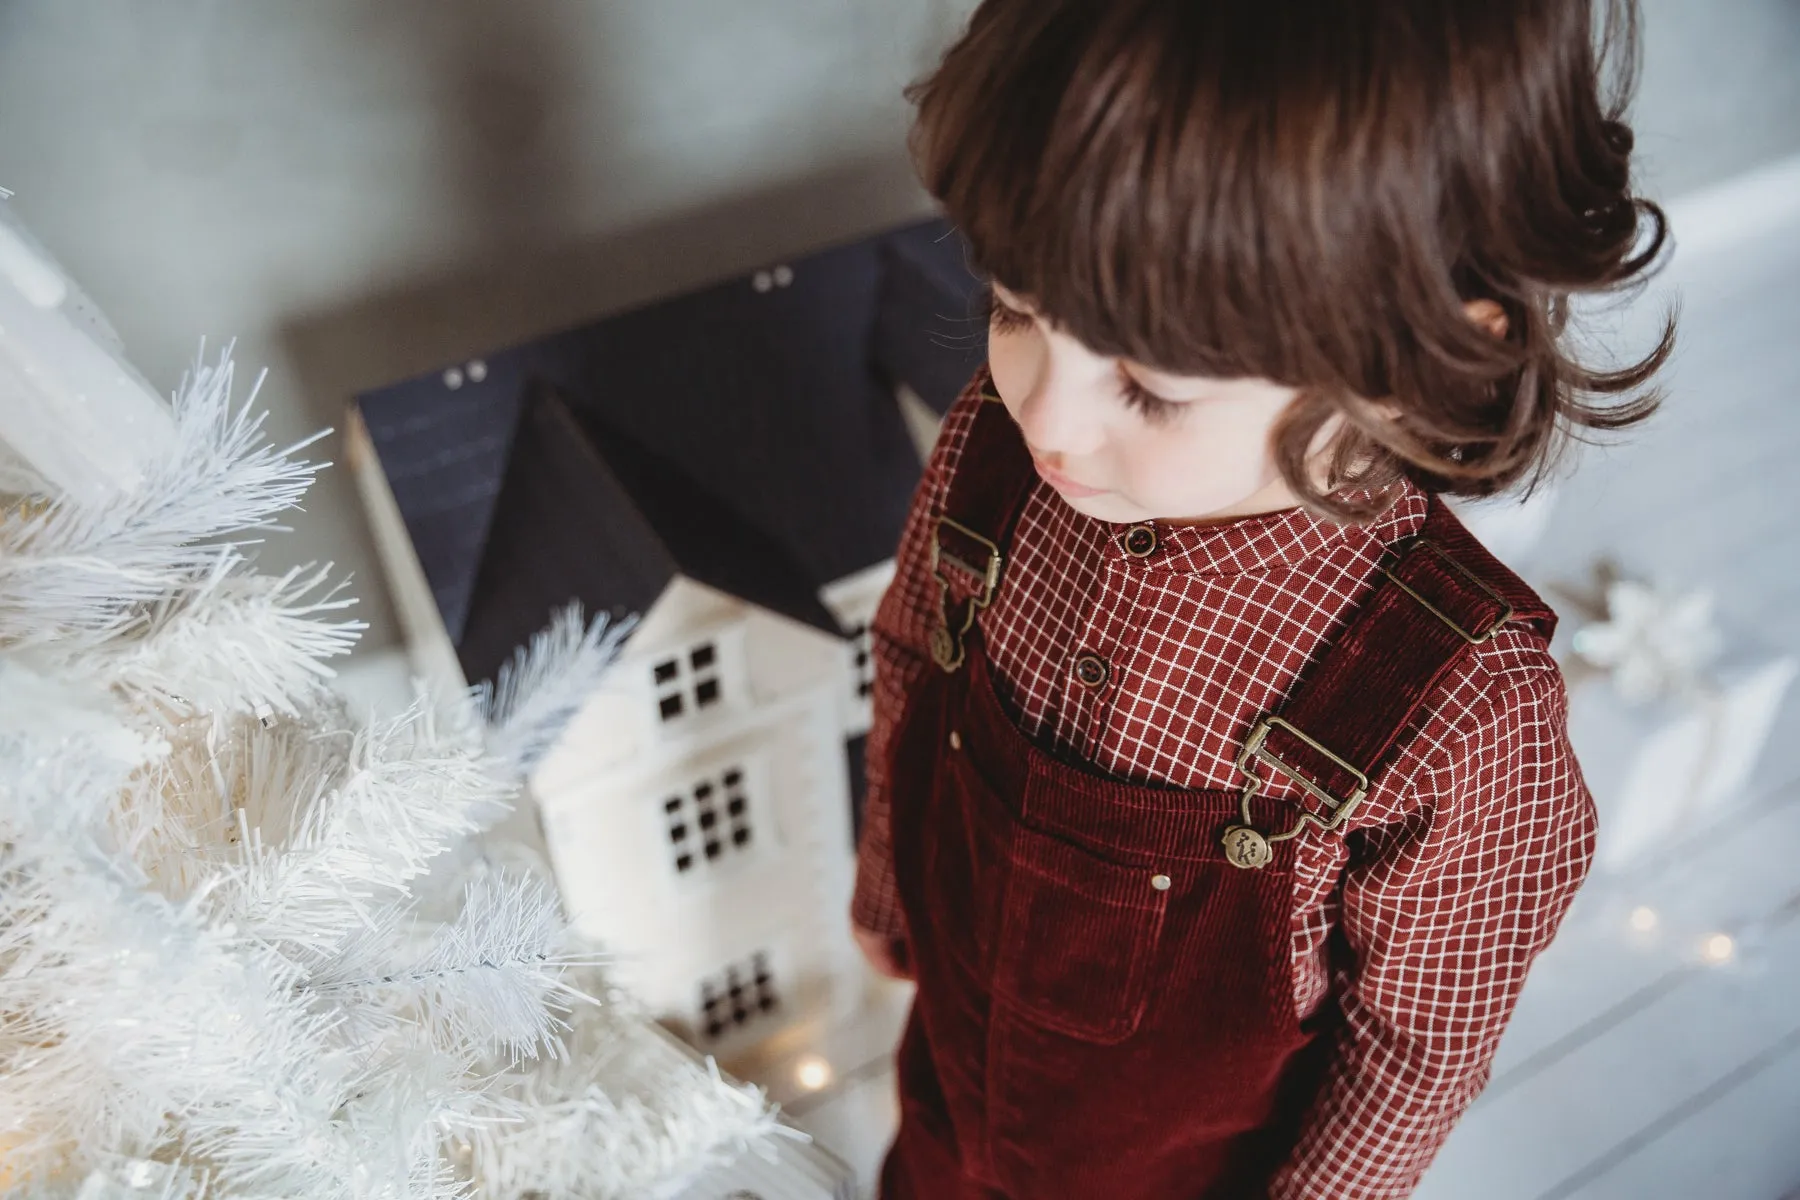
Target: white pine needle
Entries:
(399, 801)
(72, 570)
(488, 983)
(619, 1118)
(238, 643)
(545, 684)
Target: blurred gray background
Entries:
(359, 190)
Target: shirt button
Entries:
(955, 740)
(1140, 541)
(1092, 671)
(1161, 882)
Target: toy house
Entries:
(732, 467)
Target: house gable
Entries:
(563, 528)
(758, 659)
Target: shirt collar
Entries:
(1272, 541)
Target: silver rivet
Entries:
(1161, 882)
(784, 275)
(762, 281)
(453, 378)
(477, 370)
(955, 740)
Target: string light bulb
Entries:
(1719, 948)
(812, 1072)
(1644, 918)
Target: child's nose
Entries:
(1060, 414)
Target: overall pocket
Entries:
(1078, 938)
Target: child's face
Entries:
(1122, 442)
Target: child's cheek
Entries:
(1194, 472)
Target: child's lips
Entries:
(1062, 483)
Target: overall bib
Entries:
(1106, 1000)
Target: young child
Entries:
(1219, 791)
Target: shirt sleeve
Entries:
(901, 633)
(1443, 914)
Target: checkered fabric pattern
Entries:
(1454, 872)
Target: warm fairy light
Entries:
(1643, 918)
(1719, 948)
(812, 1072)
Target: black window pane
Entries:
(708, 819)
(672, 804)
(707, 693)
(703, 656)
(714, 849)
(703, 793)
(684, 862)
(736, 807)
(733, 778)
(665, 670)
(671, 707)
(740, 837)
(677, 832)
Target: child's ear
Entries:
(1487, 314)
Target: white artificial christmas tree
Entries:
(251, 946)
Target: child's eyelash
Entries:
(1005, 316)
(1008, 319)
(1152, 406)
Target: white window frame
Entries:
(743, 835)
(771, 999)
(672, 675)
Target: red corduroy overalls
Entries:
(1106, 1002)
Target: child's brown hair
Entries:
(1312, 193)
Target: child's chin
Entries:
(1108, 506)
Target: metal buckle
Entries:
(1255, 750)
(947, 648)
(1474, 639)
(1246, 845)
(988, 574)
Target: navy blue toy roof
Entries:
(744, 436)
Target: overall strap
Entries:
(968, 542)
(1439, 597)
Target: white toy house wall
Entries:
(853, 600)
(697, 813)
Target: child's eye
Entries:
(1005, 317)
(1154, 407)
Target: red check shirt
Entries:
(1469, 848)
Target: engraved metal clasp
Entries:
(949, 646)
(1246, 845)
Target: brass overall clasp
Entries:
(1246, 845)
(955, 618)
